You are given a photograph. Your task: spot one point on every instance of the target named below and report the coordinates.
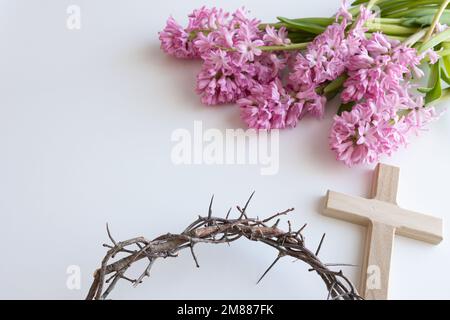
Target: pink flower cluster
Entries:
(367, 132)
(324, 60)
(250, 65)
(230, 46)
(386, 107)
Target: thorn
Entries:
(109, 235)
(194, 256)
(243, 215)
(340, 265)
(228, 214)
(248, 201)
(276, 224)
(278, 215)
(321, 243)
(301, 229)
(111, 278)
(133, 281)
(270, 268)
(210, 209)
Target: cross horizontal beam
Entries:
(364, 211)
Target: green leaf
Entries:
(438, 39)
(417, 13)
(424, 89)
(304, 26)
(435, 83)
(299, 37)
(324, 22)
(425, 21)
(335, 85)
(357, 2)
(445, 69)
(346, 107)
(410, 8)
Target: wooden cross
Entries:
(384, 219)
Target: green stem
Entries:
(277, 25)
(390, 29)
(445, 94)
(436, 20)
(289, 47)
(401, 9)
(335, 85)
(444, 53)
(385, 21)
(436, 40)
(371, 4)
(415, 38)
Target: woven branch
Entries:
(212, 230)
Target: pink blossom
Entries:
(431, 54)
(359, 28)
(233, 59)
(378, 44)
(419, 117)
(267, 67)
(361, 60)
(376, 128)
(266, 107)
(346, 140)
(313, 103)
(441, 27)
(326, 59)
(276, 37)
(175, 41)
(343, 12)
(294, 114)
(381, 67)
(204, 43)
(207, 19)
(354, 138)
(275, 90)
(196, 38)
(241, 16)
(218, 81)
(249, 49)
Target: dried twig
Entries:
(214, 230)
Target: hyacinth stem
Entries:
(445, 94)
(415, 38)
(391, 29)
(288, 47)
(397, 9)
(444, 53)
(388, 20)
(436, 40)
(436, 20)
(371, 4)
(335, 85)
(315, 26)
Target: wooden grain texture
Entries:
(377, 261)
(384, 219)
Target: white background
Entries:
(86, 119)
